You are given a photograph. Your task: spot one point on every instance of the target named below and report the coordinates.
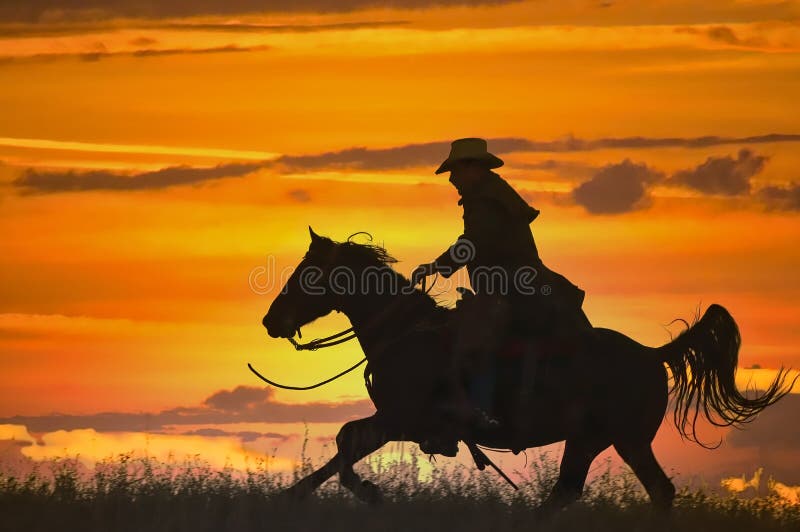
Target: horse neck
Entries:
(371, 314)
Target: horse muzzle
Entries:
(279, 328)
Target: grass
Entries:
(141, 494)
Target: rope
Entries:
(332, 340)
(319, 343)
(326, 381)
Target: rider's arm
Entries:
(485, 223)
(451, 260)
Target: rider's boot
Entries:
(446, 446)
(460, 416)
(459, 423)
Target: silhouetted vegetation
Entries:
(135, 494)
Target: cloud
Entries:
(574, 144)
(155, 52)
(244, 435)
(243, 404)
(361, 158)
(88, 448)
(238, 399)
(420, 155)
(553, 164)
(724, 35)
(94, 147)
(565, 168)
(757, 487)
(722, 175)
(55, 10)
(396, 157)
(785, 198)
(410, 155)
(617, 188)
(43, 29)
(300, 195)
(143, 41)
(432, 153)
(281, 28)
(773, 438)
(790, 494)
(770, 429)
(36, 182)
(102, 53)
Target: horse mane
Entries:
(368, 254)
(372, 253)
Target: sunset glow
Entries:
(159, 168)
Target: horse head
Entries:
(306, 296)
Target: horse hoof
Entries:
(370, 493)
(293, 494)
(545, 513)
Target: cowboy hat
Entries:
(470, 148)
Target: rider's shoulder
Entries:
(497, 190)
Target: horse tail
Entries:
(702, 360)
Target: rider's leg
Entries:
(526, 378)
(487, 336)
(480, 330)
(451, 408)
(483, 383)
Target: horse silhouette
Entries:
(597, 388)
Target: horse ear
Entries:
(314, 236)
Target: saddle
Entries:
(515, 360)
(527, 320)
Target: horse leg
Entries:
(578, 456)
(356, 439)
(646, 468)
(305, 486)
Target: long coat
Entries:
(501, 257)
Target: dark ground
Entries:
(143, 495)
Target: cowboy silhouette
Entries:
(516, 295)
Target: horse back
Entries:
(595, 380)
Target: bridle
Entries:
(336, 339)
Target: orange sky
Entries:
(133, 296)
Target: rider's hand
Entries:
(422, 271)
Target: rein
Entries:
(319, 343)
(313, 345)
(329, 341)
(285, 387)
